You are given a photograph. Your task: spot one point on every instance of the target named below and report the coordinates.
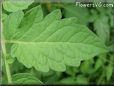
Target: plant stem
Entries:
(8, 73)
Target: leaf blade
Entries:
(11, 23)
(25, 78)
(13, 6)
(56, 43)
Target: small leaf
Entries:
(30, 18)
(71, 71)
(98, 63)
(11, 23)
(86, 66)
(80, 79)
(68, 80)
(10, 60)
(109, 71)
(34, 15)
(71, 10)
(25, 78)
(102, 28)
(13, 6)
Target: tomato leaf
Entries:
(71, 10)
(25, 78)
(13, 6)
(53, 43)
(109, 71)
(11, 23)
(102, 28)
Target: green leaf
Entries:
(11, 23)
(71, 71)
(109, 71)
(98, 63)
(71, 10)
(68, 80)
(102, 28)
(25, 78)
(13, 6)
(10, 60)
(86, 66)
(54, 43)
(31, 17)
(80, 79)
(53, 79)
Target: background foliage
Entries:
(98, 70)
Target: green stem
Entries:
(8, 73)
